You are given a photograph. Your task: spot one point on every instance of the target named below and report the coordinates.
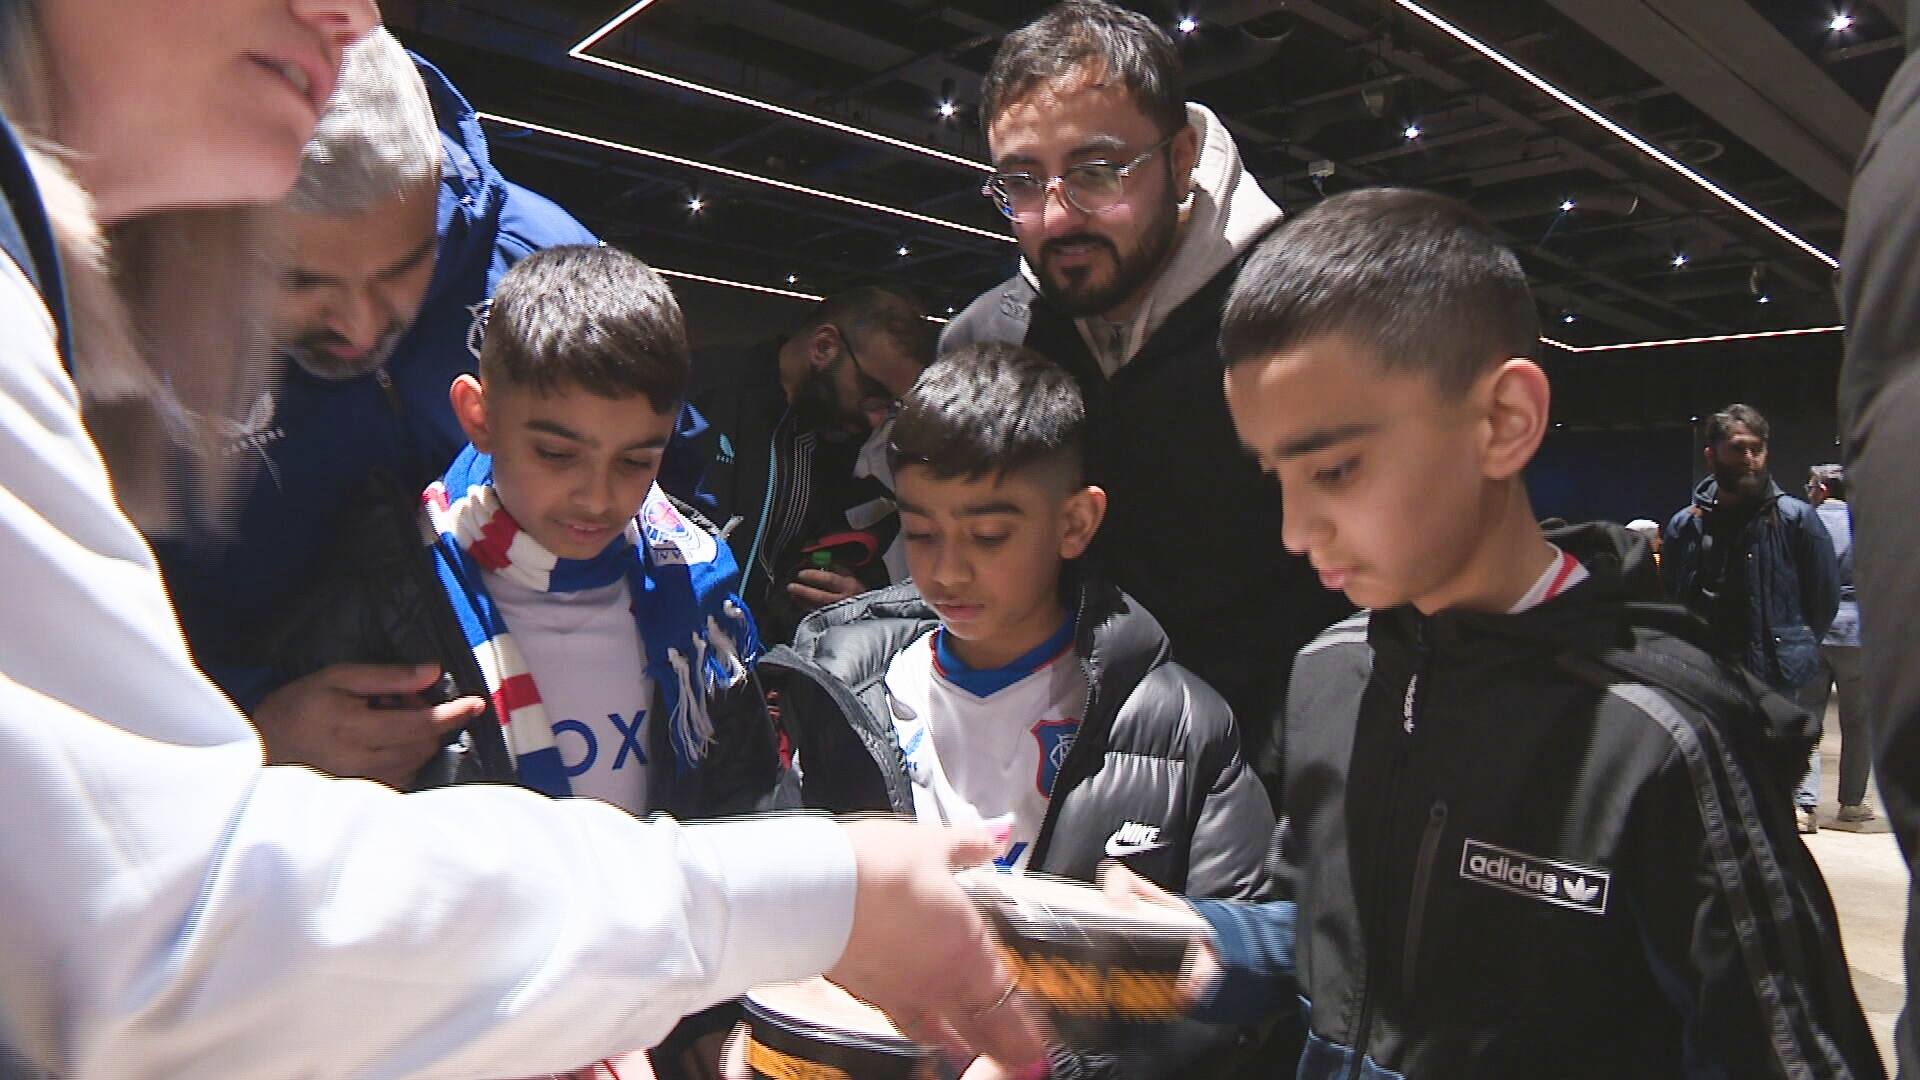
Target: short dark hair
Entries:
(891, 311)
(988, 409)
(1721, 424)
(586, 316)
(1833, 478)
(1418, 277)
(1090, 36)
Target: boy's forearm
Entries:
(1254, 944)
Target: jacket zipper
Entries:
(1044, 840)
(1409, 722)
(1417, 903)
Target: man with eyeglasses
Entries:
(775, 450)
(1132, 209)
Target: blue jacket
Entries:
(1792, 578)
(317, 442)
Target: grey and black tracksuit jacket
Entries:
(1513, 860)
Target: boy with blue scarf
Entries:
(549, 576)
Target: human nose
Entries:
(340, 22)
(1301, 525)
(1058, 214)
(361, 319)
(950, 567)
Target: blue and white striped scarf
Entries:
(698, 637)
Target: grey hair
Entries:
(378, 140)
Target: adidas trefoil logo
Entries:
(1579, 891)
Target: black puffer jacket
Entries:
(1236, 605)
(1555, 844)
(1156, 746)
(378, 602)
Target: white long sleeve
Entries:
(170, 906)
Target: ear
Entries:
(1519, 401)
(823, 346)
(1712, 461)
(1184, 152)
(1080, 518)
(469, 397)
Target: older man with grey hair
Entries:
(399, 225)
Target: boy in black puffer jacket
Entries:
(1003, 688)
(1535, 829)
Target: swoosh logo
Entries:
(1118, 848)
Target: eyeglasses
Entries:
(1091, 187)
(874, 395)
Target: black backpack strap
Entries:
(1776, 733)
(26, 236)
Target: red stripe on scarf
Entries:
(490, 551)
(517, 692)
(436, 496)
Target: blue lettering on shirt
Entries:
(593, 746)
(629, 739)
(1005, 862)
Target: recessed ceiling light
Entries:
(903, 251)
(1187, 24)
(1679, 259)
(1764, 299)
(696, 204)
(1412, 131)
(1840, 23)
(1566, 205)
(948, 108)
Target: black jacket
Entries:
(1879, 399)
(726, 467)
(1156, 746)
(1236, 605)
(1791, 577)
(379, 601)
(1513, 861)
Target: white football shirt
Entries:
(985, 746)
(584, 651)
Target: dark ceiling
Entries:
(1760, 95)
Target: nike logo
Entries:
(1133, 838)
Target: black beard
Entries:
(1079, 299)
(1742, 485)
(817, 408)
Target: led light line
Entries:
(729, 283)
(579, 52)
(1692, 340)
(736, 174)
(1616, 130)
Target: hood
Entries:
(1706, 494)
(471, 189)
(1622, 578)
(1228, 212)
(855, 640)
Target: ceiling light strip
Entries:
(609, 27)
(729, 283)
(1692, 340)
(736, 174)
(578, 53)
(1616, 130)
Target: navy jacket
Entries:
(317, 442)
(1792, 579)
